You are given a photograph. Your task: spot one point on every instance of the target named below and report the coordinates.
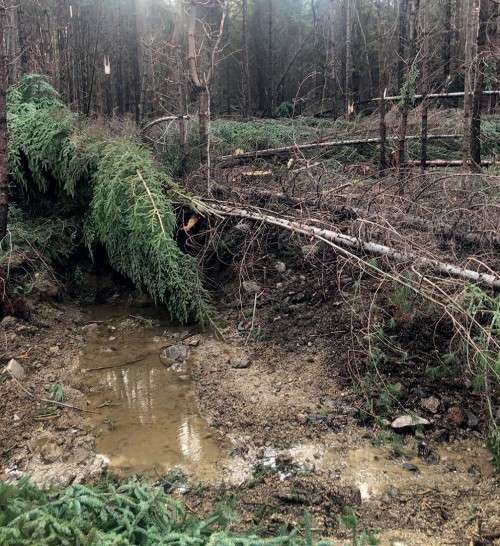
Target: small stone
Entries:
(241, 363)
(472, 419)
(16, 417)
(251, 287)
(8, 321)
(194, 342)
(280, 267)
(90, 328)
(430, 404)
(173, 353)
(54, 349)
(456, 416)
(408, 422)
(410, 467)
(111, 338)
(15, 369)
(474, 470)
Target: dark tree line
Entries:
(275, 56)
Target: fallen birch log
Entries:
(449, 163)
(162, 120)
(438, 229)
(341, 240)
(455, 94)
(287, 150)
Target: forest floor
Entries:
(316, 359)
(293, 421)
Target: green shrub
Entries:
(112, 186)
(114, 515)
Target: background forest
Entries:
(275, 57)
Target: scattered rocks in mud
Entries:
(173, 354)
(15, 369)
(406, 423)
(456, 416)
(251, 287)
(430, 404)
(241, 363)
(194, 341)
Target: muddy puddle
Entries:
(147, 420)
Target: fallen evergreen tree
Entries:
(64, 166)
(115, 515)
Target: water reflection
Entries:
(148, 418)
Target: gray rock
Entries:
(15, 369)
(472, 419)
(241, 363)
(45, 286)
(194, 341)
(251, 287)
(173, 354)
(90, 328)
(280, 267)
(410, 467)
(408, 422)
(8, 321)
(430, 404)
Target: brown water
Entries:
(148, 420)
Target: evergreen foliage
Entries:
(115, 188)
(114, 515)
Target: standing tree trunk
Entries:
(447, 41)
(406, 92)
(469, 17)
(270, 59)
(247, 96)
(199, 87)
(382, 164)
(349, 106)
(4, 165)
(479, 70)
(402, 24)
(424, 31)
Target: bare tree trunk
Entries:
(425, 83)
(479, 70)
(270, 59)
(469, 17)
(403, 71)
(4, 165)
(382, 165)
(402, 24)
(247, 93)
(447, 41)
(349, 106)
